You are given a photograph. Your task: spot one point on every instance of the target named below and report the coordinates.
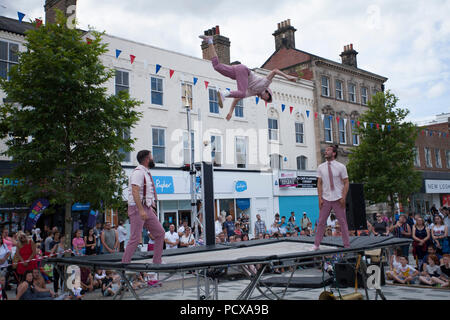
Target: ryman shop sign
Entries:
(437, 186)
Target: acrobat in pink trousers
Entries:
(340, 215)
(152, 224)
(238, 72)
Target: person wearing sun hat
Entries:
(248, 82)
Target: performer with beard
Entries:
(142, 199)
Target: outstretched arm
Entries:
(233, 105)
(280, 73)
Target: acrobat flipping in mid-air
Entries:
(248, 82)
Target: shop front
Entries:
(435, 191)
(241, 198)
(296, 191)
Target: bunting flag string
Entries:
(307, 113)
(283, 106)
(132, 57)
(206, 84)
(291, 109)
(20, 15)
(118, 52)
(158, 67)
(38, 23)
(257, 100)
(195, 80)
(171, 73)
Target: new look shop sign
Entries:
(437, 186)
(164, 185)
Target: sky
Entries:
(407, 41)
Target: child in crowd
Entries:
(444, 279)
(432, 271)
(405, 273)
(109, 284)
(98, 277)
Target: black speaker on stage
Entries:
(345, 275)
(355, 207)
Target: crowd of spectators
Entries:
(22, 254)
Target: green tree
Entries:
(384, 160)
(64, 133)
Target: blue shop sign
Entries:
(164, 185)
(81, 206)
(241, 186)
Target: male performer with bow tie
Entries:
(332, 187)
(142, 199)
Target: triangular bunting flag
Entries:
(158, 67)
(330, 117)
(88, 40)
(171, 72)
(315, 115)
(307, 113)
(382, 127)
(358, 123)
(378, 126)
(38, 23)
(118, 52)
(195, 80)
(206, 84)
(389, 127)
(228, 89)
(257, 100)
(21, 15)
(291, 109)
(371, 125)
(337, 119)
(323, 116)
(365, 124)
(132, 58)
(352, 122)
(283, 106)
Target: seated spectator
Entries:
(245, 237)
(331, 221)
(87, 281)
(109, 284)
(328, 232)
(405, 273)
(380, 227)
(237, 238)
(432, 271)
(394, 263)
(309, 229)
(231, 239)
(431, 251)
(267, 236)
(261, 236)
(444, 279)
(237, 228)
(218, 240)
(98, 278)
(27, 290)
(222, 237)
(39, 282)
(171, 238)
(187, 239)
(337, 230)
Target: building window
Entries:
(239, 109)
(448, 159)
(355, 136)
(157, 91)
(216, 151)
(325, 86)
(416, 157)
(273, 129)
(437, 156)
(186, 147)
(364, 95)
(158, 145)
(339, 93)
(213, 101)
(8, 57)
(301, 163)
(186, 94)
(299, 135)
(127, 157)
(122, 81)
(276, 161)
(241, 152)
(328, 130)
(428, 157)
(342, 132)
(351, 92)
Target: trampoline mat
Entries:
(313, 282)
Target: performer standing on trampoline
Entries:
(142, 199)
(248, 82)
(332, 187)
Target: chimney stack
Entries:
(51, 5)
(284, 35)
(349, 56)
(221, 44)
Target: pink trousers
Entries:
(340, 215)
(238, 72)
(152, 224)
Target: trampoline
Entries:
(209, 261)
